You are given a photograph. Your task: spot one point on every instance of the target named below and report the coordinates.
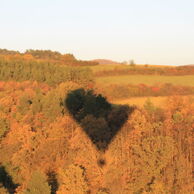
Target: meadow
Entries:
(187, 80)
(140, 101)
(158, 101)
(108, 67)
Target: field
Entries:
(158, 101)
(140, 101)
(147, 79)
(108, 67)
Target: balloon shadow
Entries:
(100, 119)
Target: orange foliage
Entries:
(150, 154)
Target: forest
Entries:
(64, 131)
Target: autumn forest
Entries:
(68, 127)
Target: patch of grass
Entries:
(187, 80)
(107, 67)
(140, 101)
(158, 101)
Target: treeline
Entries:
(43, 148)
(123, 91)
(48, 56)
(41, 71)
(147, 70)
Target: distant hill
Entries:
(106, 62)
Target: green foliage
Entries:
(50, 73)
(53, 105)
(38, 184)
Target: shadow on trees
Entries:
(6, 181)
(52, 181)
(98, 118)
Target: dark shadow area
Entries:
(52, 181)
(98, 118)
(101, 162)
(6, 181)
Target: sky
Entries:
(147, 31)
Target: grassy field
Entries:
(140, 101)
(98, 68)
(159, 101)
(147, 79)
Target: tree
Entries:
(4, 126)
(82, 102)
(38, 184)
(103, 191)
(149, 106)
(73, 180)
(132, 63)
(3, 190)
(151, 157)
(6, 182)
(98, 131)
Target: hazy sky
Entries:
(148, 31)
